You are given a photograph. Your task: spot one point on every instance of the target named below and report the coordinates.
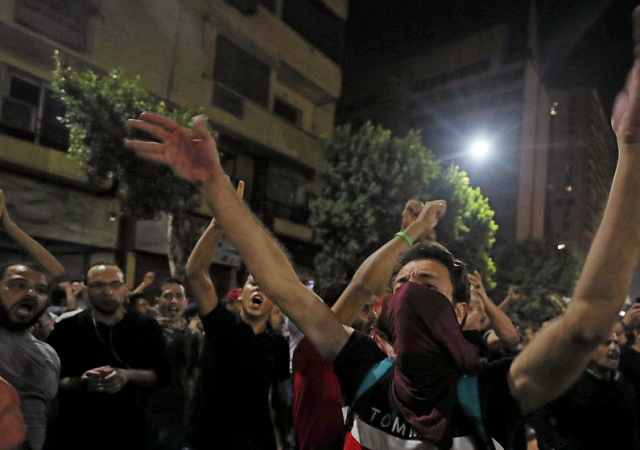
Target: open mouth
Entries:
(25, 308)
(256, 300)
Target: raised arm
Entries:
(194, 157)
(72, 300)
(372, 277)
(147, 281)
(48, 262)
(198, 269)
(199, 262)
(555, 359)
(512, 295)
(505, 332)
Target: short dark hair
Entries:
(438, 252)
(134, 298)
(631, 337)
(331, 292)
(29, 265)
(172, 280)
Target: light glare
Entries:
(479, 148)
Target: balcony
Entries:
(34, 159)
(302, 66)
(285, 220)
(252, 121)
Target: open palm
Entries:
(192, 155)
(625, 118)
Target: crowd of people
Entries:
(275, 365)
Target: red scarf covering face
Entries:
(431, 355)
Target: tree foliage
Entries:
(545, 274)
(369, 177)
(97, 109)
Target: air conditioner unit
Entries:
(17, 114)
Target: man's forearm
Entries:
(560, 353)
(141, 378)
(70, 384)
(202, 255)
(372, 277)
(198, 270)
(602, 287)
(72, 300)
(271, 269)
(35, 250)
(505, 303)
(501, 324)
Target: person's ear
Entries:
(461, 310)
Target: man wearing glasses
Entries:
(110, 358)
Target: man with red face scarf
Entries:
(434, 384)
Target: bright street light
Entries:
(479, 148)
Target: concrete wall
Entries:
(59, 213)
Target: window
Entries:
(238, 71)
(317, 24)
(66, 21)
(228, 100)
(284, 190)
(29, 111)
(287, 112)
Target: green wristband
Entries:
(406, 237)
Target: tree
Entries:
(97, 109)
(545, 275)
(369, 177)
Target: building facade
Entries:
(582, 159)
(267, 73)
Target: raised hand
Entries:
(625, 118)
(426, 213)
(411, 212)
(476, 286)
(148, 279)
(432, 212)
(191, 155)
(632, 317)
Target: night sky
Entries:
(582, 42)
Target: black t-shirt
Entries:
(238, 367)
(379, 426)
(593, 414)
(97, 420)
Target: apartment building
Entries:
(582, 159)
(267, 73)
